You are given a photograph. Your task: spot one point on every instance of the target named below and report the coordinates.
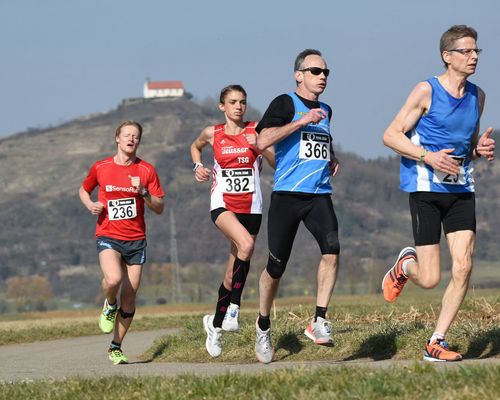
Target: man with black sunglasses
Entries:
(298, 125)
(436, 133)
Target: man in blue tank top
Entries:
(298, 125)
(436, 133)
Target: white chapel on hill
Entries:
(163, 89)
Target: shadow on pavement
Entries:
(140, 361)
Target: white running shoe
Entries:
(230, 323)
(213, 343)
(320, 332)
(264, 349)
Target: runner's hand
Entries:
(334, 166)
(314, 116)
(251, 138)
(202, 174)
(96, 208)
(486, 145)
(442, 161)
(135, 181)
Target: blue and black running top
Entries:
(449, 123)
(303, 158)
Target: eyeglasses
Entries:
(316, 70)
(467, 52)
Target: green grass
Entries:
(39, 326)
(367, 329)
(364, 327)
(416, 381)
(74, 328)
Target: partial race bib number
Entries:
(122, 209)
(447, 179)
(314, 146)
(237, 180)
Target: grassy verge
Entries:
(39, 326)
(366, 329)
(73, 328)
(31, 327)
(410, 382)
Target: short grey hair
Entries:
(299, 60)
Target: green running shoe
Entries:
(117, 356)
(107, 318)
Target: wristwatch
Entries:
(145, 193)
(196, 165)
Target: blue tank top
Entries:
(302, 158)
(449, 123)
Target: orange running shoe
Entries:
(438, 351)
(394, 280)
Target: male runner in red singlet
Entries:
(126, 183)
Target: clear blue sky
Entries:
(62, 59)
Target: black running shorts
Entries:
(456, 211)
(251, 222)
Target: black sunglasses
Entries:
(316, 70)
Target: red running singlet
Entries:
(123, 214)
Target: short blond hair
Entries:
(129, 123)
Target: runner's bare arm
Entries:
(334, 162)
(95, 208)
(268, 153)
(483, 146)
(154, 203)
(270, 136)
(417, 103)
(201, 174)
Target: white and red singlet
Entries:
(236, 172)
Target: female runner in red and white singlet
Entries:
(236, 203)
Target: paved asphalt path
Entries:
(86, 357)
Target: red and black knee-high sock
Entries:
(240, 273)
(222, 304)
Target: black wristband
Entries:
(478, 155)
